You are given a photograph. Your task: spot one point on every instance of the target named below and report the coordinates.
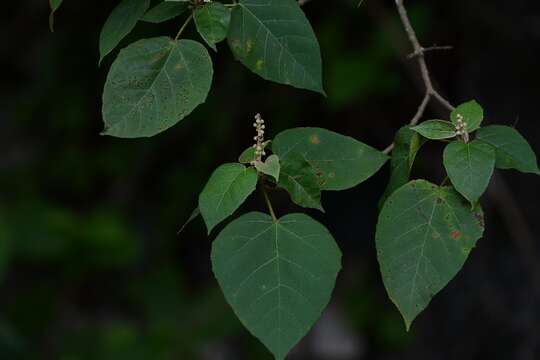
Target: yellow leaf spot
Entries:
(259, 65)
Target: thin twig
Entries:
(431, 48)
(419, 54)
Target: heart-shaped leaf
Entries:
(227, 189)
(340, 162)
(407, 143)
(298, 177)
(469, 167)
(270, 167)
(436, 129)
(274, 39)
(511, 149)
(277, 276)
(122, 20)
(471, 113)
(153, 84)
(165, 10)
(424, 235)
(212, 21)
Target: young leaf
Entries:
(212, 21)
(227, 189)
(340, 162)
(153, 84)
(469, 167)
(277, 276)
(122, 20)
(472, 114)
(436, 129)
(55, 4)
(165, 10)
(406, 145)
(424, 235)
(511, 149)
(270, 167)
(274, 39)
(298, 177)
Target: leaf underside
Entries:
(424, 235)
(277, 276)
(407, 143)
(153, 84)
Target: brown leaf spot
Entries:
(456, 234)
(314, 139)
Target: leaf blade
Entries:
(164, 11)
(407, 143)
(212, 21)
(298, 177)
(270, 167)
(436, 129)
(469, 167)
(472, 114)
(282, 46)
(340, 162)
(120, 22)
(228, 187)
(277, 276)
(153, 84)
(420, 248)
(511, 148)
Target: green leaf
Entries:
(406, 145)
(212, 21)
(247, 156)
(164, 11)
(274, 39)
(55, 4)
(195, 214)
(340, 162)
(469, 167)
(298, 178)
(511, 149)
(153, 84)
(227, 189)
(424, 235)
(270, 167)
(277, 276)
(122, 20)
(436, 129)
(472, 113)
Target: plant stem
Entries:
(269, 204)
(183, 27)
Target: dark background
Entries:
(92, 268)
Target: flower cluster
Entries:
(461, 128)
(259, 138)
